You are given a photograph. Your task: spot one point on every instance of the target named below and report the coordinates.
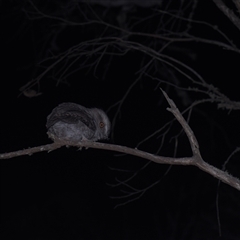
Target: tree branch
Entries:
(228, 12)
(219, 174)
(195, 160)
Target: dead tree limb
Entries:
(195, 160)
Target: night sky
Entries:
(79, 194)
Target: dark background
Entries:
(66, 194)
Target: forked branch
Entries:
(195, 160)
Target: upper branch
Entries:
(228, 12)
(192, 139)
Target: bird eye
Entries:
(101, 124)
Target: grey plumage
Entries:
(75, 123)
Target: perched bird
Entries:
(75, 123)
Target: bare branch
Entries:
(219, 174)
(237, 4)
(193, 141)
(195, 160)
(30, 151)
(228, 12)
